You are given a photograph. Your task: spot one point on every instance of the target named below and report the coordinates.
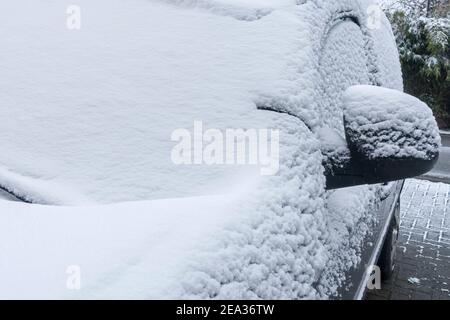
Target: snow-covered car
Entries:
(116, 176)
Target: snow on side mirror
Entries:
(391, 136)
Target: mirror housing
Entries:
(390, 136)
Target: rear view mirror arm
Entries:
(356, 171)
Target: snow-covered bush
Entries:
(422, 31)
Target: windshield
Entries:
(90, 108)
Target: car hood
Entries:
(41, 243)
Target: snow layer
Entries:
(39, 243)
(264, 242)
(320, 70)
(94, 109)
(87, 115)
(247, 10)
(146, 83)
(351, 217)
(389, 123)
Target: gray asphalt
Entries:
(441, 172)
(446, 139)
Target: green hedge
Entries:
(424, 44)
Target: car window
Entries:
(343, 64)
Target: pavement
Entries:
(422, 270)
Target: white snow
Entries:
(87, 117)
(38, 244)
(351, 214)
(265, 241)
(34, 190)
(417, 18)
(389, 123)
(414, 280)
(247, 10)
(94, 109)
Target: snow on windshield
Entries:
(248, 10)
(92, 111)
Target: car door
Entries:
(349, 57)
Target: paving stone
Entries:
(423, 250)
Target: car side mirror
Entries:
(390, 136)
